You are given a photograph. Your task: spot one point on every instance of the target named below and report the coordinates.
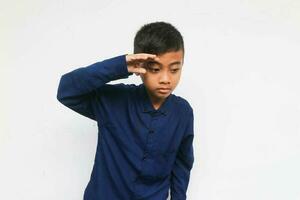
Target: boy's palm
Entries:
(135, 62)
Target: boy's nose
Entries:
(165, 78)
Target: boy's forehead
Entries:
(168, 63)
(170, 58)
(171, 54)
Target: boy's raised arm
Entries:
(76, 88)
(180, 175)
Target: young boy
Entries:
(145, 138)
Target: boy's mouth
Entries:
(164, 90)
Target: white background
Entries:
(241, 76)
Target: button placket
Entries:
(150, 146)
(145, 155)
(149, 142)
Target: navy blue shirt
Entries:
(142, 152)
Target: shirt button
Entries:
(151, 131)
(145, 156)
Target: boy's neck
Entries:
(156, 102)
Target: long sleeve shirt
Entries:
(142, 152)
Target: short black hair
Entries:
(158, 38)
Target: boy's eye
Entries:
(174, 70)
(158, 69)
(151, 64)
(154, 69)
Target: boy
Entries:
(145, 132)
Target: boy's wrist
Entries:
(118, 65)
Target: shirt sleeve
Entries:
(180, 174)
(77, 88)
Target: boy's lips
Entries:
(164, 90)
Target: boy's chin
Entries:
(161, 95)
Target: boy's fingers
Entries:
(145, 55)
(137, 61)
(140, 70)
(142, 57)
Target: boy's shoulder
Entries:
(182, 103)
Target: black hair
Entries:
(158, 38)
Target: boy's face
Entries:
(163, 76)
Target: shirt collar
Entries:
(147, 104)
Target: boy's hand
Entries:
(135, 62)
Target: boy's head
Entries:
(164, 40)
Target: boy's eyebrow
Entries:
(173, 63)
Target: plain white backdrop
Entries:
(241, 76)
